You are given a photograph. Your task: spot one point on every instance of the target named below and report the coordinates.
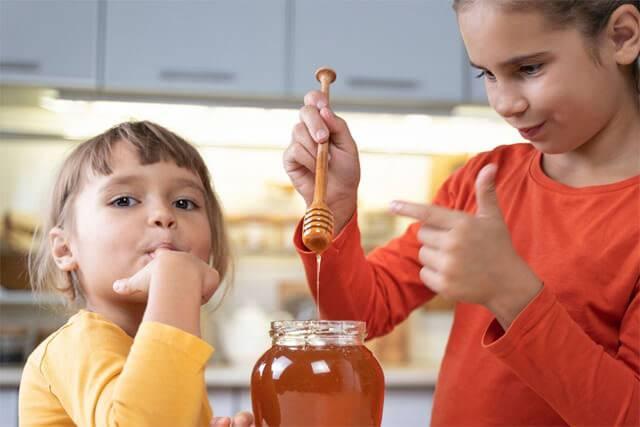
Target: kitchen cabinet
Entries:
(387, 50)
(8, 407)
(229, 401)
(222, 401)
(49, 43)
(407, 407)
(196, 47)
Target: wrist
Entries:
(175, 301)
(514, 297)
(342, 214)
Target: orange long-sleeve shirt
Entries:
(572, 356)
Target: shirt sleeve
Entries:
(552, 354)
(160, 382)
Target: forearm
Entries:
(520, 289)
(175, 304)
(553, 355)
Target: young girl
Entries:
(539, 244)
(136, 235)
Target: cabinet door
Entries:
(221, 401)
(393, 50)
(50, 43)
(407, 407)
(243, 400)
(196, 46)
(8, 407)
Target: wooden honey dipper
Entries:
(317, 226)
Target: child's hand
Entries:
(318, 124)
(470, 258)
(170, 266)
(242, 419)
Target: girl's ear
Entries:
(61, 251)
(623, 30)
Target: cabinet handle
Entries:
(20, 66)
(382, 83)
(198, 76)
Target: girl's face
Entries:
(543, 81)
(120, 220)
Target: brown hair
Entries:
(153, 143)
(589, 16)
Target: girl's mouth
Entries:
(531, 132)
(160, 247)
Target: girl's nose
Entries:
(162, 217)
(508, 102)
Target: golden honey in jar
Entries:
(317, 374)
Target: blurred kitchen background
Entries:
(229, 76)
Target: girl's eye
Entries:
(185, 204)
(485, 73)
(530, 70)
(124, 202)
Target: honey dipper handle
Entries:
(325, 76)
(322, 164)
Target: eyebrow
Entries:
(131, 179)
(517, 60)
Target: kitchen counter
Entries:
(239, 377)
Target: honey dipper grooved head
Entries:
(328, 71)
(316, 239)
(317, 229)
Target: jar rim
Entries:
(319, 327)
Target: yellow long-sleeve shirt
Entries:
(91, 373)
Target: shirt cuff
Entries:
(501, 342)
(193, 347)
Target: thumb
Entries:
(243, 419)
(340, 136)
(486, 197)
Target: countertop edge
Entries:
(240, 377)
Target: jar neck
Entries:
(318, 333)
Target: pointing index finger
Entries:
(432, 215)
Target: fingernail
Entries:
(321, 135)
(321, 105)
(395, 206)
(118, 285)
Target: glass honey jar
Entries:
(317, 374)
